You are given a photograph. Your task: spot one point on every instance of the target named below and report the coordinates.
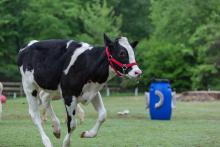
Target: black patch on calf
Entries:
(67, 100)
(91, 66)
(47, 59)
(34, 93)
(68, 122)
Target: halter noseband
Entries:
(112, 60)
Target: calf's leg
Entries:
(100, 108)
(70, 105)
(48, 109)
(31, 94)
(81, 114)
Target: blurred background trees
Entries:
(179, 39)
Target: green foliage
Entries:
(44, 20)
(135, 18)
(22, 21)
(201, 76)
(214, 54)
(175, 35)
(96, 19)
(191, 24)
(11, 34)
(165, 60)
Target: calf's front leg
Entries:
(81, 114)
(100, 108)
(70, 105)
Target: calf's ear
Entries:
(107, 41)
(134, 44)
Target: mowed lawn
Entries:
(193, 124)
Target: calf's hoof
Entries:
(56, 131)
(87, 134)
(57, 134)
(82, 134)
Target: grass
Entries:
(194, 124)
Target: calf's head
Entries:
(121, 56)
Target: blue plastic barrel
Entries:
(160, 100)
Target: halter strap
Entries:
(112, 60)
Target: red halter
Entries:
(113, 60)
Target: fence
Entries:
(14, 89)
(109, 90)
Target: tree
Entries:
(165, 60)
(97, 18)
(11, 36)
(192, 24)
(22, 21)
(136, 23)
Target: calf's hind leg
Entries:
(31, 93)
(47, 108)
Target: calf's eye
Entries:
(122, 54)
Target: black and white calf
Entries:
(76, 71)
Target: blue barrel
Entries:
(160, 100)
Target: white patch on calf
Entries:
(89, 91)
(123, 41)
(68, 43)
(32, 42)
(27, 78)
(76, 54)
(70, 110)
(29, 44)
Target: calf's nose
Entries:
(138, 72)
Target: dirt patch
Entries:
(199, 96)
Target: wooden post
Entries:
(21, 90)
(14, 95)
(136, 91)
(107, 91)
(147, 99)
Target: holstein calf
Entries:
(76, 71)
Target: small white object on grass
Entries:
(125, 112)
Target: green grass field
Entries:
(193, 124)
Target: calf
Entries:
(76, 71)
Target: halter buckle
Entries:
(124, 67)
(110, 56)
